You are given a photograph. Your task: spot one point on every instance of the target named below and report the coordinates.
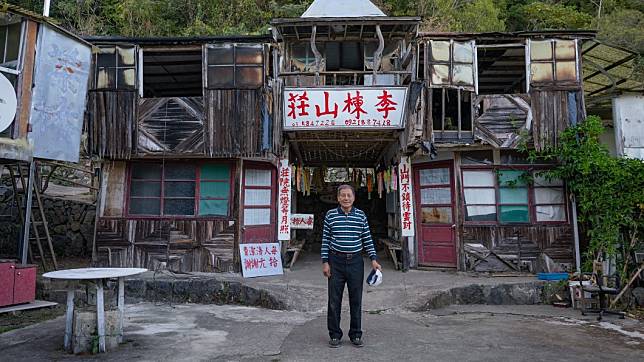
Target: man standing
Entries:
(346, 233)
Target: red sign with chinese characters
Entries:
(284, 201)
(406, 204)
(260, 259)
(349, 108)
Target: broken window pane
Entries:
(480, 196)
(463, 52)
(248, 54)
(463, 74)
(126, 78)
(440, 51)
(547, 195)
(106, 78)
(477, 158)
(565, 50)
(184, 207)
(220, 55)
(435, 176)
(249, 76)
(541, 72)
(107, 57)
(478, 178)
(221, 76)
(11, 41)
(436, 215)
(480, 213)
(126, 56)
(541, 50)
(551, 213)
(566, 70)
(440, 74)
(514, 214)
(436, 196)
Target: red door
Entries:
(258, 204)
(7, 270)
(434, 189)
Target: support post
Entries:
(69, 319)
(25, 229)
(100, 315)
(576, 234)
(121, 306)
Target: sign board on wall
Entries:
(344, 108)
(406, 200)
(260, 259)
(8, 103)
(302, 221)
(284, 201)
(60, 89)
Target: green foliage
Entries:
(541, 16)
(609, 191)
(480, 16)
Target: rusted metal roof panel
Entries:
(342, 8)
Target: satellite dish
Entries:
(8, 103)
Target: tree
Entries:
(480, 16)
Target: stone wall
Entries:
(71, 224)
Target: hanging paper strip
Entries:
(406, 199)
(284, 202)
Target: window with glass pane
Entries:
(257, 196)
(179, 189)
(10, 45)
(214, 190)
(235, 66)
(513, 197)
(452, 63)
(549, 199)
(480, 195)
(116, 67)
(553, 60)
(145, 189)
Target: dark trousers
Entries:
(349, 270)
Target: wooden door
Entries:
(258, 204)
(435, 204)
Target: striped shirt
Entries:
(346, 233)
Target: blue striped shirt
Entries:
(346, 233)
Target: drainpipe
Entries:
(45, 10)
(576, 234)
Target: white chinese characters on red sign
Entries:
(357, 107)
(260, 259)
(284, 201)
(406, 203)
(302, 221)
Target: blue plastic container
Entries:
(552, 276)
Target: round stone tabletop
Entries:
(93, 273)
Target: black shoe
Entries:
(334, 342)
(357, 342)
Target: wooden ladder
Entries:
(38, 221)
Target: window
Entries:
(10, 45)
(501, 68)
(451, 111)
(235, 66)
(302, 58)
(451, 63)
(553, 60)
(172, 73)
(507, 197)
(116, 67)
(257, 196)
(178, 189)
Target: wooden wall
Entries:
(553, 111)
(164, 244)
(111, 123)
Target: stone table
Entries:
(97, 275)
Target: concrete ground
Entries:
(190, 332)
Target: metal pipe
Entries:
(576, 234)
(45, 10)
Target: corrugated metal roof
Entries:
(342, 9)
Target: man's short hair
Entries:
(345, 187)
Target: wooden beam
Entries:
(26, 79)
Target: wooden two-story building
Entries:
(192, 133)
